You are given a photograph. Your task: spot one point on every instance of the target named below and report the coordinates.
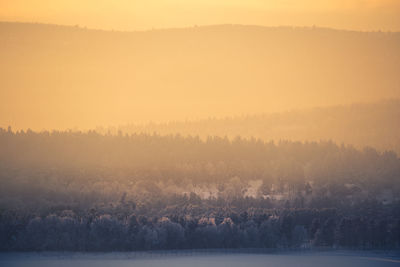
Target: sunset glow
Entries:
(139, 15)
(200, 133)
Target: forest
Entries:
(88, 191)
(200, 133)
(375, 124)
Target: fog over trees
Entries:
(374, 124)
(301, 148)
(85, 191)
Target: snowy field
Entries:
(173, 259)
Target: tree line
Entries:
(294, 228)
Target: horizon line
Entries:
(294, 27)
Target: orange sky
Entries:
(147, 14)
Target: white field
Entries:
(197, 259)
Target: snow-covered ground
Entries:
(194, 259)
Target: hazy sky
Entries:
(147, 14)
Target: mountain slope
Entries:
(61, 77)
(374, 124)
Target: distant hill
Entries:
(62, 76)
(375, 124)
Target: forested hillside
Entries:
(86, 191)
(374, 124)
(72, 76)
